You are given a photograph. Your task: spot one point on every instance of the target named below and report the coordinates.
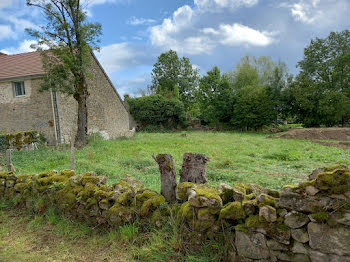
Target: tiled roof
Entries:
(20, 65)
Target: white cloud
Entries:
(21, 24)
(122, 56)
(140, 21)
(317, 12)
(170, 34)
(237, 34)
(22, 48)
(217, 5)
(6, 32)
(183, 32)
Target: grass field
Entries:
(244, 157)
(28, 237)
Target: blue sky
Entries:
(209, 32)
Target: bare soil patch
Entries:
(341, 136)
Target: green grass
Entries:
(28, 237)
(244, 157)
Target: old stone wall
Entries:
(30, 112)
(305, 222)
(106, 112)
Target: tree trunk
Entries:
(167, 176)
(194, 168)
(81, 135)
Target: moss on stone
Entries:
(241, 228)
(253, 221)
(68, 173)
(250, 196)
(336, 182)
(125, 198)
(93, 180)
(321, 217)
(203, 225)
(182, 190)
(20, 187)
(160, 216)
(88, 191)
(119, 214)
(233, 210)
(208, 192)
(122, 185)
(266, 200)
(90, 202)
(151, 204)
(186, 211)
(145, 195)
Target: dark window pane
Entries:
(19, 89)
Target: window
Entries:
(19, 89)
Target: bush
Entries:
(156, 112)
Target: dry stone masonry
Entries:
(305, 222)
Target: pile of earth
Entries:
(341, 136)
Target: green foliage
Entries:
(253, 108)
(248, 98)
(128, 232)
(216, 97)
(158, 112)
(321, 92)
(173, 77)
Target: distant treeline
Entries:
(258, 92)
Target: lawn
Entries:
(244, 157)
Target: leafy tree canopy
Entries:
(172, 75)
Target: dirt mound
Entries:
(334, 133)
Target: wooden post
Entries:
(72, 156)
(10, 166)
(194, 168)
(167, 176)
(1, 163)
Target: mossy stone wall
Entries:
(305, 222)
(18, 140)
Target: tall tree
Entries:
(171, 73)
(326, 69)
(216, 97)
(70, 38)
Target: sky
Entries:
(209, 32)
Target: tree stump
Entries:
(167, 176)
(194, 168)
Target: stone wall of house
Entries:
(305, 222)
(30, 112)
(106, 112)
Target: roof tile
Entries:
(20, 65)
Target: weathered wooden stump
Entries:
(167, 176)
(194, 168)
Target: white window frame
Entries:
(22, 86)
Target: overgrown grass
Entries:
(29, 237)
(240, 156)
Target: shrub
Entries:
(156, 112)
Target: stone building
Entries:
(23, 107)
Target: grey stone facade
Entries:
(58, 121)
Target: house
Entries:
(23, 107)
